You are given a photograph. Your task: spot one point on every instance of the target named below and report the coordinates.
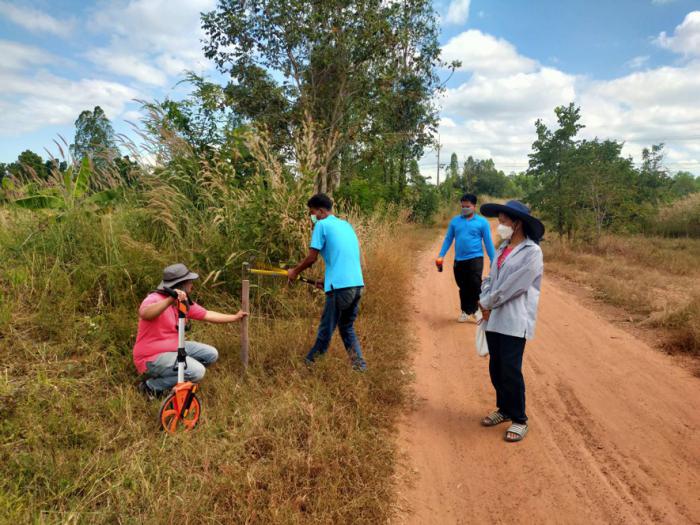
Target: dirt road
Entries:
(613, 423)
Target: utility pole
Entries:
(439, 146)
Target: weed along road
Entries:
(613, 423)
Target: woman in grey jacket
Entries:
(508, 301)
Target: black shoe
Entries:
(148, 391)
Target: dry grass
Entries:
(280, 445)
(680, 219)
(656, 280)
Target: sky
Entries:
(632, 65)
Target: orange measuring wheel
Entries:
(181, 409)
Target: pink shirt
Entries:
(160, 334)
(504, 254)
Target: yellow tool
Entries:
(281, 272)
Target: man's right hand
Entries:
(438, 263)
(181, 296)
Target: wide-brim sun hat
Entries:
(176, 273)
(534, 228)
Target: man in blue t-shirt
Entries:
(337, 243)
(468, 230)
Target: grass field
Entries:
(281, 444)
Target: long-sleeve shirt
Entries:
(468, 235)
(512, 292)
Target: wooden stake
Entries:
(245, 306)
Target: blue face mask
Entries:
(314, 219)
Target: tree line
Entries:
(581, 187)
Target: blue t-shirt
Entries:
(468, 235)
(340, 249)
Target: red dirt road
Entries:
(613, 423)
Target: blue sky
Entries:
(633, 66)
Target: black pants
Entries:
(468, 277)
(505, 367)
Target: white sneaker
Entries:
(462, 318)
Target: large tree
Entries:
(94, 138)
(325, 76)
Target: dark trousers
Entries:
(341, 309)
(468, 277)
(505, 367)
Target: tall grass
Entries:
(680, 219)
(280, 444)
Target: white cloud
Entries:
(19, 56)
(510, 96)
(152, 41)
(637, 62)
(685, 38)
(662, 2)
(492, 114)
(485, 54)
(30, 102)
(36, 21)
(457, 12)
(128, 65)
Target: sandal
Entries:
(518, 429)
(494, 418)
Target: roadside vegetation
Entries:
(342, 101)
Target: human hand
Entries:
(438, 263)
(292, 274)
(241, 314)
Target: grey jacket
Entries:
(513, 292)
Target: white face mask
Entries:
(504, 232)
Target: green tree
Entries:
(327, 75)
(470, 170)
(94, 138)
(607, 182)
(28, 166)
(453, 169)
(684, 183)
(551, 164)
(654, 181)
(491, 181)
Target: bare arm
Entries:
(150, 312)
(303, 265)
(216, 317)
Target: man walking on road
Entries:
(468, 231)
